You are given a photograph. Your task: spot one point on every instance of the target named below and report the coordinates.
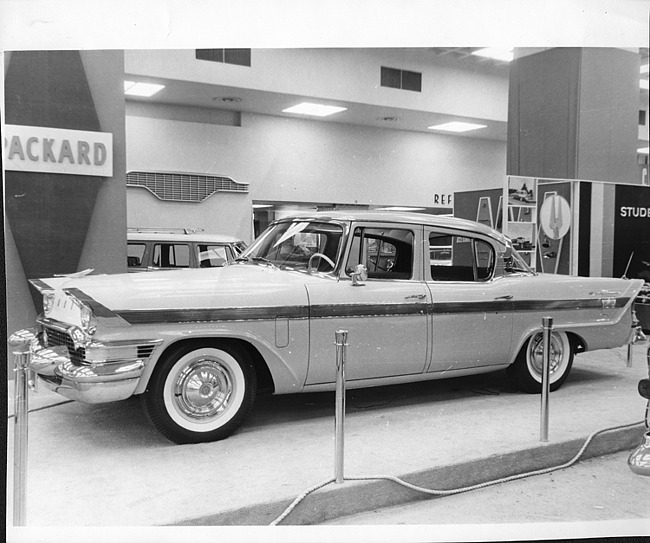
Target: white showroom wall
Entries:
(295, 160)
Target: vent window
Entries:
(401, 79)
(240, 57)
(181, 187)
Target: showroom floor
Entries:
(105, 465)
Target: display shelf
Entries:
(520, 216)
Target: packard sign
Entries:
(57, 150)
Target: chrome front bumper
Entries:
(99, 383)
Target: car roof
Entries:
(194, 237)
(402, 217)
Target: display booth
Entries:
(572, 227)
(568, 226)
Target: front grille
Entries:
(56, 338)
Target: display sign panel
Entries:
(56, 150)
(632, 232)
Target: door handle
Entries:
(504, 297)
(415, 297)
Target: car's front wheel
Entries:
(201, 392)
(526, 371)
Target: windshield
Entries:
(298, 245)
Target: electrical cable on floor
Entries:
(306, 493)
(36, 409)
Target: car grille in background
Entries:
(55, 338)
(183, 187)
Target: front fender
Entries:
(287, 363)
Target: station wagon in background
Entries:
(421, 296)
(151, 249)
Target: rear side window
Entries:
(211, 256)
(460, 258)
(171, 255)
(135, 254)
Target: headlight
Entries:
(48, 302)
(87, 319)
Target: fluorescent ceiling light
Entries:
(260, 206)
(643, 83)
(457, 127)
(133, 88)
(644, 68)
(399, 208)
(317, 110)
(496, 53)
(643, 150)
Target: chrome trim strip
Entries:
(41, 286)
(323, 311)
(58, 326)
(162, 316)
(326, 311)
(99, 310)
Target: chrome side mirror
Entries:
(359, 274)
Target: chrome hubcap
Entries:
(537, 354)
(203, 390)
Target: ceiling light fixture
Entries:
(495, 53)
(229, 99)
(261, 206)
(457, 126)
(644, 68)
(317, 110)
(643, 83)
(133, 88)
(643, 150)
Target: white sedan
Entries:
(422, 297)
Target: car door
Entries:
(385, 316)
(471, 312)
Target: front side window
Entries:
(211, 256)
(171, 255)
(454, 257)
(299, 245)
(387, 253)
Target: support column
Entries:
(573, 114)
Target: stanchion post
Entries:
(339, 421)
(20, 345)
(630, 354)
(547, 325)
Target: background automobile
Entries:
(197, 345)
(169, 249)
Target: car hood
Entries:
(241, 285)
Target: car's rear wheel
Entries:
(526, 371)
(201, 393)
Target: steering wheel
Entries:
(319, 255)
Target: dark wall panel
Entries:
(632, 231)
(49, 214)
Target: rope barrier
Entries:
(434, 492)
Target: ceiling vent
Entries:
(240, 57)
(183, 187)
(401, 79)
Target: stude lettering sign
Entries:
(58, 150)
(635, 212)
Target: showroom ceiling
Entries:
(252, 99)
